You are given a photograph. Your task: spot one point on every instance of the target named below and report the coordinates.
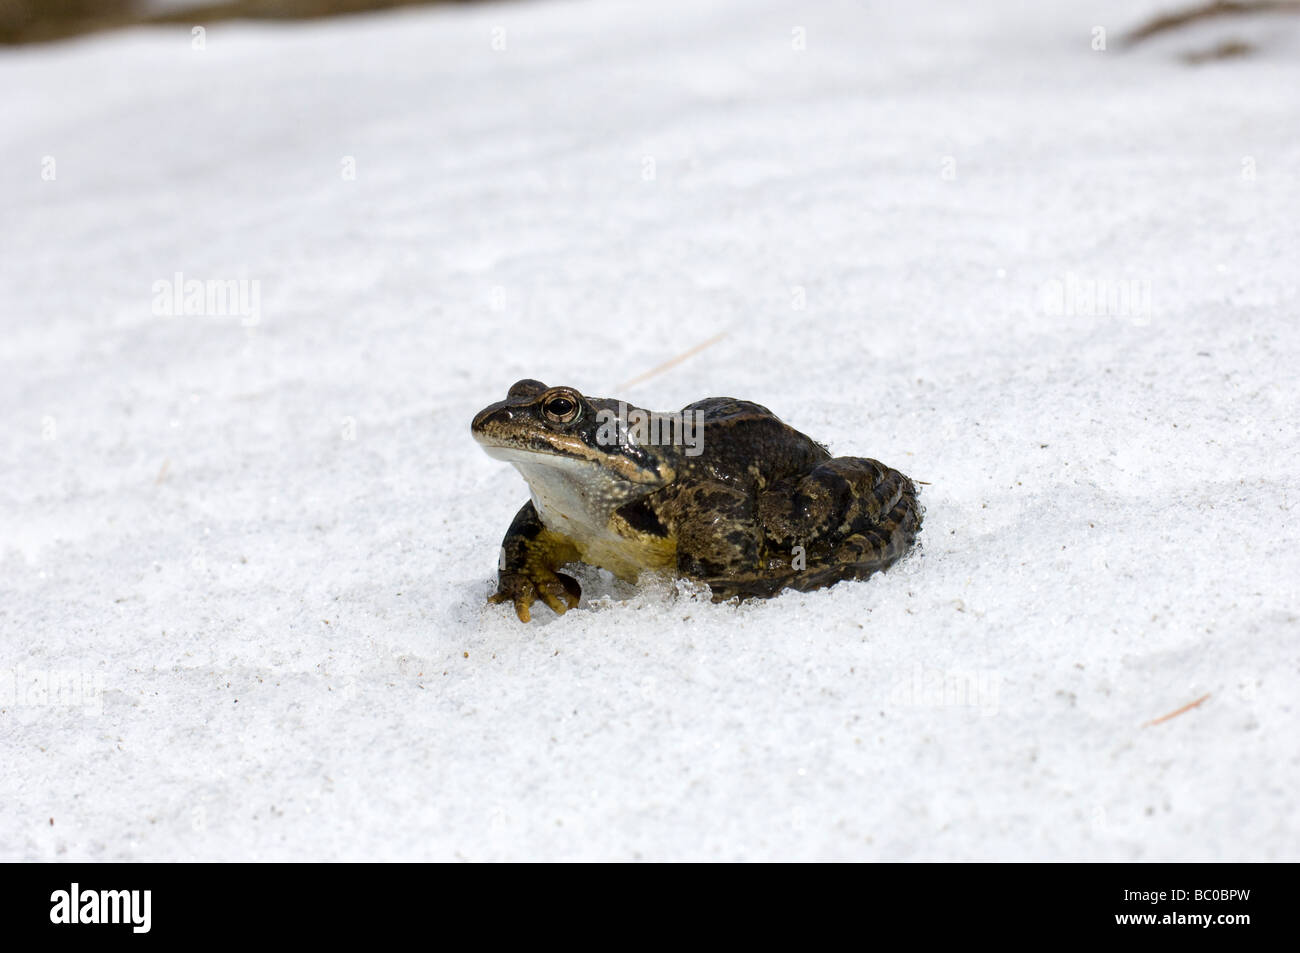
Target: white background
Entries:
(289, 626)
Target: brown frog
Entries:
(721, 492)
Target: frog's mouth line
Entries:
(569, 455)
(530, 457)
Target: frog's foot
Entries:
(559, 591)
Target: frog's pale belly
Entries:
(626, 558)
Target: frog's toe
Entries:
(557, 590)
(519, 590)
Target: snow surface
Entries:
(261, 549)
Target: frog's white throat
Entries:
(570, 494)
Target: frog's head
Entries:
(568, 448)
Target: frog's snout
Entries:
(495, 414)
(497, 422)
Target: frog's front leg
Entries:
(530, 556)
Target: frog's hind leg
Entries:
(720, 542)
(881, 531)
(717, 533)
(847, 518)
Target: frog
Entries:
(722, 492)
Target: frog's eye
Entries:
(561, 408)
